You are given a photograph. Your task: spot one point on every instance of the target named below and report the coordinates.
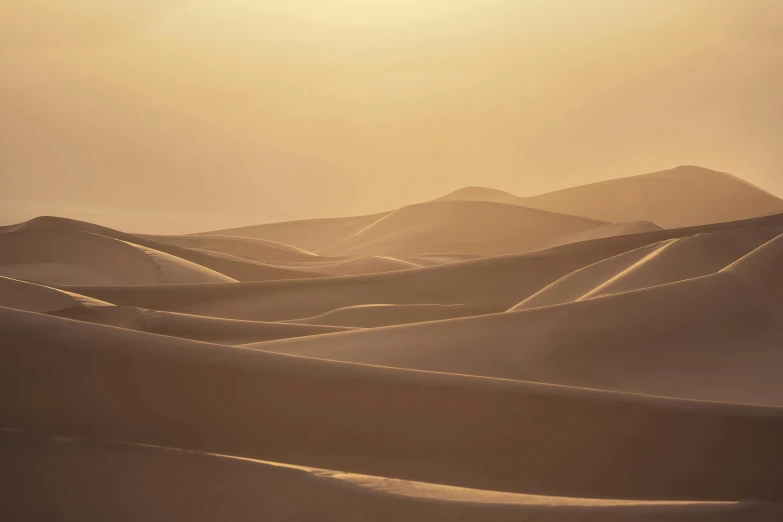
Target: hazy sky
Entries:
(200, 113)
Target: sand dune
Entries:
(32, 297)
(110, 477)
(222, 331)
(502, 281)
(712, 338)
(309, 234)
(665, 262)
(480, 282)
(683, 196)
(234, 267)
(247, 259)
(444, 257)
(482, 194)
(356, 265)
(431, 427)
(471, 358)
(375, 315)
(69, 256)
(464, 226)
(254, 249)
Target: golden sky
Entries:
(261, 110)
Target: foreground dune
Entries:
(714, 337)
(110, 477)
(433, 427)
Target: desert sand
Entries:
(609, 352)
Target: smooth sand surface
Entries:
(262, 250)
(32, 238)
(32, 297)
(502, 281)
(79, 379)
(471, 227)
(712, 338)
(468, 359)
(223, 331)
(104, 480)
(679, 197)
(665, 262)
(375, 315)
(309, 234)
(70, 256)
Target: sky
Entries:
(185, 115)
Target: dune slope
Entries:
(110, 477)
(210, 329)
(680, 197)
(713, 338)
(23, 295)
(431, 427)
(471, 227)
(501, 281)
(255, 249)
(683, 196)
(665, 262)
(309, 234)
(229, 267)
(70, 256)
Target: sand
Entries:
(199, 328)
(113, 476)
(32, 297)
(573, 356)
(680, 197)
(441, 428)
(471, 227)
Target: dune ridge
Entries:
(33, 297)
(288, 491)
(469, 431)
(471, 227)
(683, 196)
(469, 358)
(197, 328)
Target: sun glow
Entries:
(367, 12)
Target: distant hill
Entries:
(679, 197)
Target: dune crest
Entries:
(33, 297)
(470, 227)
(469, 358)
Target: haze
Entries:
(185, 115)
(388, 260)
